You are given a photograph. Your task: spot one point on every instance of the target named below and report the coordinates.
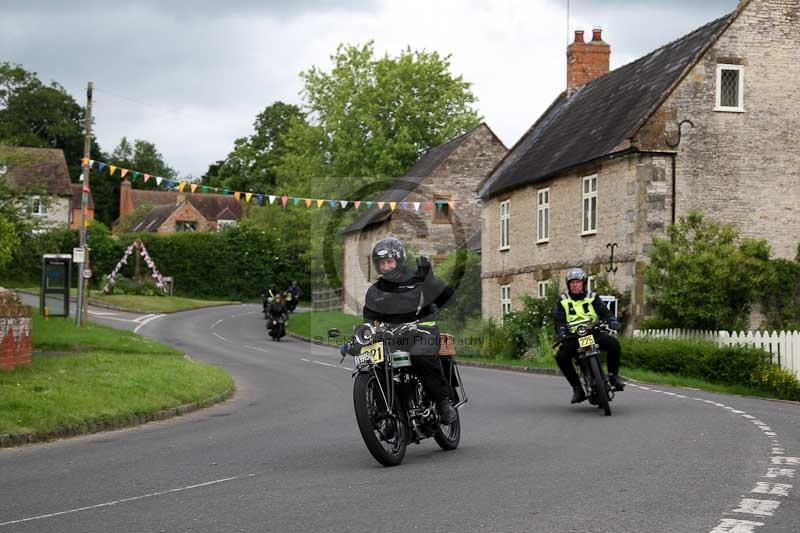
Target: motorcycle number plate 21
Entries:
(373, 351)
(586, 341)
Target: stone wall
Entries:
(15, 331)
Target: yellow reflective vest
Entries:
(578, 310)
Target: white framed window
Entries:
(589, 205)
(543, 227)
(3, 169)
(730, 88)
(505, 220)
(222, 224)
(541, 288)
(38, 206)
(590, 284)
(505, 299)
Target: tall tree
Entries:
(37, 115)
(251, 164)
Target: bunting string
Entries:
(267, 199)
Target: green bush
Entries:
(774, 379)
(655, 323)
(147, 287)
(462, 271)
(524, 327)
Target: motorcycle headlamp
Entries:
(364, 334)
(581, 331)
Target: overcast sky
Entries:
(190, 76)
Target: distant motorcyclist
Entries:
(575, 305)
(277, 316)
(296, 293)
(401, 295)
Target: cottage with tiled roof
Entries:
(177, 211)
(441, 184)
(708, 122)
(41, 172)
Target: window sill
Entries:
(589, 233)
(504, 248)
(543, 241)
(729, 109)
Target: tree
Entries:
(251, 165)
(33, 114)
(703, 277)
(8, 241)
(376, 116)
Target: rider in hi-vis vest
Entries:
(576, 306)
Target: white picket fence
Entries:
(784, 345)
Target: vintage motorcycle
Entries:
(594, 379)
(276, 327)
(291, 301)
(391, 406)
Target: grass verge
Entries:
(314, 325)
(99, 376)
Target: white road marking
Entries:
(778, 450)
(115, 502)
(256, 348)
(779, 472)
(786, 460)
(145, 322)
(757, 507)
(102, 313)
(220, 336)
(143, 317)
(751, 417)
(779, 489)
(215, 323)
(731, 525)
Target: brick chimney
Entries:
(586, 61)
(125, 199)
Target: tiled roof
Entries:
(599, 117)
(36, 167)
(209, 205)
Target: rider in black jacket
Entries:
(400, 296)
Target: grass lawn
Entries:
(98, 375)
(313, 325)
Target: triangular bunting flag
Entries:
(357, 203)
(85, 162)
(428, 206)
(181, 185)
(343, 203)
(136, 174)
(111, 170)
(237, 194)
(203, 188)
(101, 166)
(247, 196)
(369, 205)
(260, 198)
(284, 199)
(159, 179)
(380, 205)
(91, 162)
(123, 172)
(308, 202)
(332, 204)
(146, 177)
(392, 205)
(296, 201)
(193, 187)
(319, 203)
(416, 206)
(271, 198)
(404, 205)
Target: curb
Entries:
(86, 428)
(103, 305)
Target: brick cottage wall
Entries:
(15, 331)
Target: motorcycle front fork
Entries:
(588, 379)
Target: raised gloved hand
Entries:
(344, 349)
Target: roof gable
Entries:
(209, 205)
(36, 167)
(600, 117)
(423, 168)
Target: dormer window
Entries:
(730, 88)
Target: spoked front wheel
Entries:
(600, 386)
(383, 431)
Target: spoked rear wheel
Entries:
(600, 386)
(448, 436)
(383, 432)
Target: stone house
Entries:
(706, 122)
(176, 211)
(43, 172)
(436, 209)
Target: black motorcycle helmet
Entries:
(577, 273)
(390, 247)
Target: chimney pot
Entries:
(597, 34)
(586, 62)
(579, 36)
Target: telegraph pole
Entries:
(83, 281)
